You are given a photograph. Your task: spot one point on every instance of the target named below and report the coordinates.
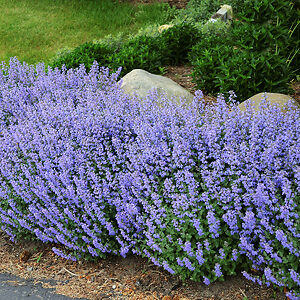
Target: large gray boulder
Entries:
(141, 82)
(273, 98)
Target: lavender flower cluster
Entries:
(201, 191)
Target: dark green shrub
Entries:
(273, 24)
(252, 36)
(262, 11)
(84, 54)
(177, 41)
(223, 67)
(143, 52)
(150, 53)
(206, 56)
(113, 41)
(250, 72)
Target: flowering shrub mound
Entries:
(204, 192)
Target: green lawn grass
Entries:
(34, 31)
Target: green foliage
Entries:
(222, 67)
(273, 24)
(215, 29)
(177, 41)
(262, 11)
(257, 53)
(113, 41)
(150, 30)
(201, 10)
(206, 60)
(170, 13)
(84, 54)
(143, 52)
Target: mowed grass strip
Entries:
(34, 31)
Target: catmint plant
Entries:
(202, 191)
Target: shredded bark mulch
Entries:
(115, 277)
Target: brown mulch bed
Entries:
(116, 278)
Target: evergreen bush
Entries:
(177, 41)
(84, 54)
